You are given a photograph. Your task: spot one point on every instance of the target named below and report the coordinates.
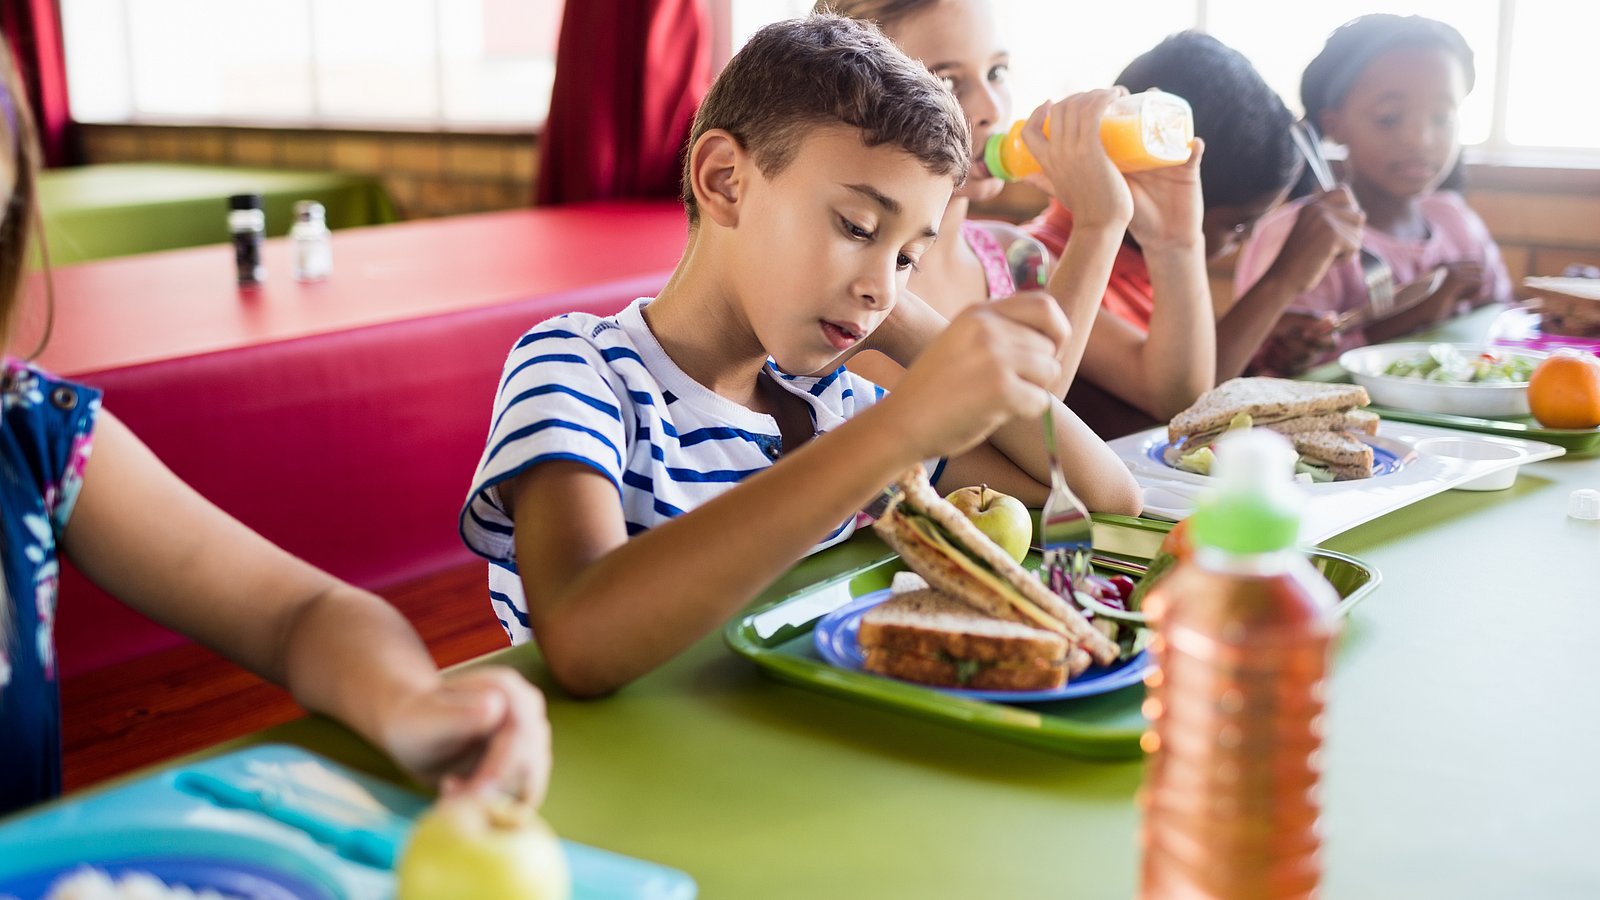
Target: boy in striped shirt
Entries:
(648, 473)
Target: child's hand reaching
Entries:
(1298, 340)
(1167, 204)
(1463, 283)
(1325, 230)
(1075, 167)
(994, 363)
(481, 730)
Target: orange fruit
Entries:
(1564, 391)
(1177, 542)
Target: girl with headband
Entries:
(1387, 88)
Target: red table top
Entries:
(161, 306)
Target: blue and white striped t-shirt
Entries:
(602, 391)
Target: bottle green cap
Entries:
(992, 160)
(1256, 506)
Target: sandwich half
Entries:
(942, 545)
(932, 638)
(1323, 421)
(1346, 457)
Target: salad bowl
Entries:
(1455, 379)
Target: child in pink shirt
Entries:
(1387, 88)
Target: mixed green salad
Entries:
(1443, 362)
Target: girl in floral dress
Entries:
(75, 481)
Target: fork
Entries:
(1066, 531)
(1377, 275)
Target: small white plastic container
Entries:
(1479, 450)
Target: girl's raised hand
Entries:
(1326, 229)
(1463, 280)
(1075, 167)
(1167, 204)
(478, 731)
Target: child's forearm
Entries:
(1179, 357)
(1097, 476)
(352, 656)
(909, 330)
(202, 573)
(650, 597)
(1426, 313)
(1078, 283)
(1243, 329)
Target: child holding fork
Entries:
(647, 474)
(1387, 88)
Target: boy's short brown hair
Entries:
(823, 70)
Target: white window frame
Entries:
(1495, 149)
(316, 119)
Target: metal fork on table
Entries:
(1376, 273)
(1065, 530)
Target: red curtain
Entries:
(629, 75)
(33, 32)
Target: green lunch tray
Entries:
(1578, 441)
(777, 637)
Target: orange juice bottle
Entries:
(1140, 131)
(1243, 635)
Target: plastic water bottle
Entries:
(248, 225)
(1141, 131)
(1243, 634)
(313, 245)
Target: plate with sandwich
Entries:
(979, 623)
(1337, 438)
(1356, 466)
(927, 636)
(778, 635)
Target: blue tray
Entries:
(207, 826)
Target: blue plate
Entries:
(836, 640)
(1384, 460)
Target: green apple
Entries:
(475, 846)
(1000, 516)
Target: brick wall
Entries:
(427, 174)
(1544, 218)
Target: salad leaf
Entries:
(1444, 363)
(1198, 462)
(1317, 474)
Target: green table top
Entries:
(1459, 759)
(117, 209)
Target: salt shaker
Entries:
(313, 245)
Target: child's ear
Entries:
(717, 165)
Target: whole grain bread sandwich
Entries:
(1324, 421)
(938, 542)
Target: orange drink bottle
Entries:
(1242, 637)
(1140, 131)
